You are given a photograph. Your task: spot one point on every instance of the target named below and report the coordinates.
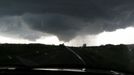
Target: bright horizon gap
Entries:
(119, 36)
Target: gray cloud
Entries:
(64, 18)
(65, 27)
(14, 26)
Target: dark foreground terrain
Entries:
(115, 57)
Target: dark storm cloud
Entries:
(69, 18)
(13, 26)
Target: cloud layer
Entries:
(67, 19)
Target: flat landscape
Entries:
(115, 57)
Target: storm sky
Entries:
(68, 20)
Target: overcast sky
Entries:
(70, 21)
